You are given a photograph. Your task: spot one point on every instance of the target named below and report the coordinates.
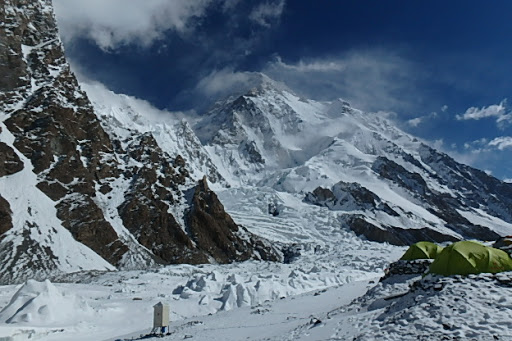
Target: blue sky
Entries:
(441, 67)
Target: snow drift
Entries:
(42, 304)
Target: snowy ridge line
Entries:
(269, 137)
(122, 114)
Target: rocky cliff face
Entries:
(352, 197)
(212, 229)
(119, 200)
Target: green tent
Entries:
(467, 257)
(422, 250)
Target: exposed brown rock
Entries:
(90, 227)
(395, 235)
(215, 232)
(145, 212)
(10, 163)
(347, 195)
(12, 68)
(323, 194)
(56, 128)
(40, 259)
(212, 228)
(5, 217)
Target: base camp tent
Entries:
(468, 257)
(422, 250)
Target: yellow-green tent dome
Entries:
(422, 250)
(468, 257)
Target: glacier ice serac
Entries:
(277, 206)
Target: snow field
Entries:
(121, 302)
(476, 307)
(267, 321)
(42, 304)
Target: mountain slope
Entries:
(114, 185)
(79, 192)
(386, 184)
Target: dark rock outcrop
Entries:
(10, 163)
(394, 235)
(442, 205)
(345, 196)
(250, 151)
(5, 217)
(350, 197)
(153, 190)
(55, 127)
(407, 267)
(478, 188)
(390, 170)
(320, 196)
(213, 230)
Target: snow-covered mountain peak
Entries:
(258, 83)
(266, 128)
(126, 116)
(273, 129)
(274, 138)
(338, 107)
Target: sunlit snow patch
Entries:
(42, 304)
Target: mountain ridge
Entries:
(81, 197)
(93, 180)
(274, 138)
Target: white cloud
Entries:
(483, 145)
(499, 111)
(143, 111)
(223, 82)
(226, 82)
(230, 4)
(370, 80)
(473, 154)
(266, 13)
(314, 65)
(486, 154)
(444, 108)
(114, 23)
(473, 113)
(504, 120)
(508, 181)
(111, 24)
(438, 144)
(415, 122)
(502, 142)
(477, 146)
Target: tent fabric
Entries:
(468, 257)
(422, 250)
